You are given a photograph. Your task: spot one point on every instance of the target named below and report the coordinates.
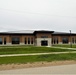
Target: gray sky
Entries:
(57, 15)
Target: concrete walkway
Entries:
(36, 54)
(64, 48)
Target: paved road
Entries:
(63, 69)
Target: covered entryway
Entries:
(44, 43)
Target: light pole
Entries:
(70, 40)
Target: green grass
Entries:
(28, 49)
(37, 58)
(65, 45)
(16, 46)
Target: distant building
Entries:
(37, 38)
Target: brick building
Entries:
(37, 38)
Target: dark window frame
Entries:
(55, 40)
(28, 40)
(25, 40)
(72, 40)
(44, 36)
(32, 41)
(5, 40)
(1, 40)
(15, 40)
(65, 40)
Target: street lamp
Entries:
(70, 40)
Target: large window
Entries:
(4, 40)
(28, 40)
(55, 40)
(31, 40)
(1, 41)
(25, 40)
(65, 40)
(15, 40)
(72, 40)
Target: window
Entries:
(1, 41)
(52, 40)
(4, 40)
(25, 40)
(72, 40)
(28, 40)
(44, 36)
(65, 40)
(15, 40)
(55, 40)
(31, 40)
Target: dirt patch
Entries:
(36, 64)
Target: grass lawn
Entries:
(29, 49)
(37, 58)
(65, 45)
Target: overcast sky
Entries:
(57, 15)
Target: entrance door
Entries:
(44, 43)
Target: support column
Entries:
(8, 40)
(60, 40)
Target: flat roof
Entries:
(63, 33)
(26, 32)
(32, 32)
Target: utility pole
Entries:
(70, 40)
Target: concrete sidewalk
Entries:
(64, 48)
(36, 54)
